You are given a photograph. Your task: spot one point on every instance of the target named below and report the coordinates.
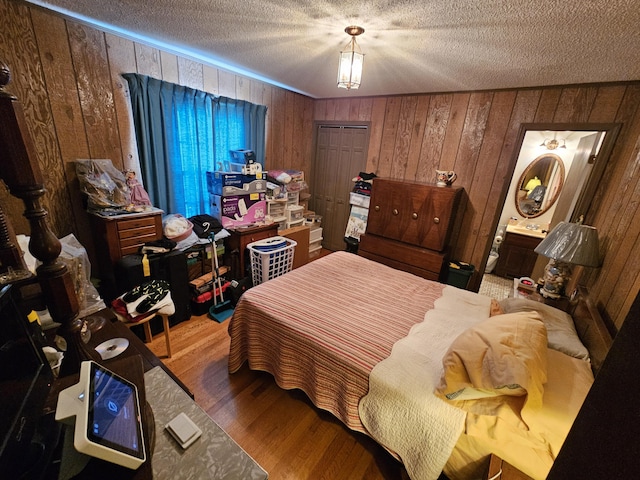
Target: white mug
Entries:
(445, 178)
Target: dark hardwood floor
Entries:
(280, 429)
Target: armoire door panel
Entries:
(412, 212)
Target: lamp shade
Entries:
(351, 61)
(571, 243)
(350, 69)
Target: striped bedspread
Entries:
(324, 326)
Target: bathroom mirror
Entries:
(540, 185)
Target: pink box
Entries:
(237, 210)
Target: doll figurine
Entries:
(137, 193)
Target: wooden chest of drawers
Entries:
(409, 226)
(122, 235)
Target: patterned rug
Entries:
(496, 287)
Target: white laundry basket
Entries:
(271, 258)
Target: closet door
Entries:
(341, 153)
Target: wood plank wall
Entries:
(67, 75)
(474, 133)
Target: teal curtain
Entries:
(238, 125)
(182, 133)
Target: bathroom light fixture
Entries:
(567, 244)
(553, 143)
(351, 60)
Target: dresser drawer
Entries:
(136, 223)
(138, 239)
(419, 261)
(123, 235)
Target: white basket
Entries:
(271, 258)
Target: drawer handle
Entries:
(414, 215)
(395, 211)
(377, 208)
(436, 220)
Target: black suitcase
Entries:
(171, 266)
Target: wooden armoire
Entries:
(410, 225)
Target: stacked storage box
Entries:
(237, 199)
(285, 209)
(315, 240)
(295, 212)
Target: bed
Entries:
(387, 353)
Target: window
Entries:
(182, 133)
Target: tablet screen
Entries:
(114, 419)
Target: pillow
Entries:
(561, 330)
(502, 355)
(568, 383)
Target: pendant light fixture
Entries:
(351, 60)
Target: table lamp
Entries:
(567, 244)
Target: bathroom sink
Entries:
(530, 229)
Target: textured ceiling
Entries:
(410, 46)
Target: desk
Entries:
(213, 456)
(113, 329)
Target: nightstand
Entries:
(562, 303)
(501, 470)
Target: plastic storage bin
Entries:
(295, 213)
(271, 258)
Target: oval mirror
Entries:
(540, 185)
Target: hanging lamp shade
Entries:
(351, 61)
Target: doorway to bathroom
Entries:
(556, 173)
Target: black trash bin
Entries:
(459, 274)
(352, 244)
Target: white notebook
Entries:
(183, 430)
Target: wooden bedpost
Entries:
(23, 177)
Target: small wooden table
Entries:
(236, 246)
(501, 470)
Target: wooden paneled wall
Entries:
(474, 133)
(67, 75)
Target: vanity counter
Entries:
(527, 228)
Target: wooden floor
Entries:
(280, 429)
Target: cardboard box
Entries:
(235, 183)
(237, 210)
(243, 156)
